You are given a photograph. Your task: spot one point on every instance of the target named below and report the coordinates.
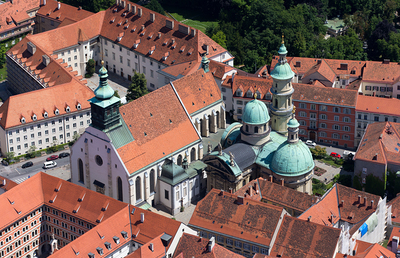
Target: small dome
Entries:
(292, 159)
(293, 123)
(282, 50)
(255, 113)
(104, 91)
(282, 72)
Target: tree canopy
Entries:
(137, 88)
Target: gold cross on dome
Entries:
(294, 109)
(102, 62)
(283, 36)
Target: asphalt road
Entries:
(18, 174)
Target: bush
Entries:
(90, 68)
(339, 161)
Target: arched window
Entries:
(119, 186)
(291, 136)
(193, 155)
(276, 103)
(152, 180)
(265, 127)
(138, 189)
(179, 161)
(80, 168)
(256, 129)
(247, 128)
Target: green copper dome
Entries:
(292, 159)
(293, 123)
(104, 91)
(255, 113)
(282, 50)
(282, 72)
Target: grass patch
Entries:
(385, 243)
(330, 162)
(318, 187)
(3, 73)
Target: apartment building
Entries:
(370, 110)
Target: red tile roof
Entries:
(183, 69)
(16, 11)
(194, 246)
(380, 143)
(246, 83)
(252, 221)
(395, 203)
(40, 190)
(153, 248)
(321, 69)
(27, 104)
(368, 250)
(298, 238)
(6, 184)
(381, 72)
(333, 96)
(395, 233)
(159, 124)
(342, 203)
(369, 104)
(66, 11)
(219, 69)
(197, 90)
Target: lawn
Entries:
(3, 73)
(330, 162)
(190, 17)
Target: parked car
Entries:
(49, 164)
(63, 154)
(52, 157)
(27, 164)
(335, 155)
(310, 143)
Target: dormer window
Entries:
(23, 120)
(78, 106)
(152, 50)
(34, 117)
(45, 114)
(67, 109)
(258, 94)
(56, 112)
(249, 94)
(136, 44)
(99, 250)
(116, 239)
(239, 93)
(108, 245)
(268, 96)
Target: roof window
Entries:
(67, 109)
(34, 117)
(108, 245)
(99, 250)
(57, 112)
(78, 106)
(124, 234)
(91, 255)
(45, 114)
(116, 239)
(23, 120)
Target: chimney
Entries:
(250, 190)
(309, 218)
(359, 199)
(169, 24)
(140, 12)
(129, 7)
(264, 74)
(271, 178)
(282, 182)
(46, 60)
(116, 2)
(230, 190)
(342, 203)
(239, 200)
(31, 48)
(159, 35)
(207, 50)
(142, 217)
(152, 17)
(193, 32)
(44, 2)
(372, 204)
(365, 201)
(79, 7)
(319, 61)
(211, 244)
(142, 28)
(395, 244)
(134, 9)
(386, 61)
(151, 247)
(124, 4)
(58, 5)
(4, 181)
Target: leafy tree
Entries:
(10, 155)
(90, 68)
(31, 151)
(137, 88)
(220, 38)
(374, 185)
(393, 184)
(3, 51)
(318, 152)
(155, 6)
(376, 46)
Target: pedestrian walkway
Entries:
(329, 174)
(22, 179)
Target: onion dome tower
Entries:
(104, 105)
(282, 91)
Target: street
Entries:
(17, 174)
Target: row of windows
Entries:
(376, 117)
(40, 142)
(324, 117)
(323, 125)
(325, 108)
(324, 134)
(381, 89)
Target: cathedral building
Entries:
(264, 146)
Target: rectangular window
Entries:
(238, 244)
(365, 117)
(303, 105)
(367, 87)
(383, 89)
(120, 60)
(376, 118)
(143, 59)
(47, 140)
(255, 249)
(144, 70)
(239, 111)
(322, 108)
(129, 62)
(40, 142)
(220, 239)
(113, 56)
(246, 246)
(239, 102)
(312, 106)
(229, 241)
(313, 115)
(166, 194)
(336, 118)
(151, 74)
(177, 196)
(106, 52)
(32, 135)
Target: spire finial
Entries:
(255, 94)
(102, 62)
(283, 36)
(294, 109)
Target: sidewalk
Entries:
(330, 171)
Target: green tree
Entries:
(90, 68)
(137, 88)
(318, 152)
(155, 6)
(3, 51)
(31, 151)
(220, 38)
(374, 185)
(10, 155)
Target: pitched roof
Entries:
(395, 203)
(66, 11)
(219, 69)
(159, 125)
(380, 71)
(380, 143)
(194, 246)
(368, 250)
(245, 83)
(327, 95)
(177, 44)
(299, 238)
(31, 103)
(17, 11)
(342, 202)
(182, 69)
(153, 248)
(197, 90)
(43, 189)
(251, 221)
(375, 105)
(323, 69)
(285, 196)
(6, 184)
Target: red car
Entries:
(334, 154)
(52, 157)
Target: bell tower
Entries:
(282, 90)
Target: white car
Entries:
(49, 164)
(310, 143)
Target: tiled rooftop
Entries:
(395, 203)
(6, 184)
(66, 11)
(369, 104)
(15, 11)
(245, 83)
